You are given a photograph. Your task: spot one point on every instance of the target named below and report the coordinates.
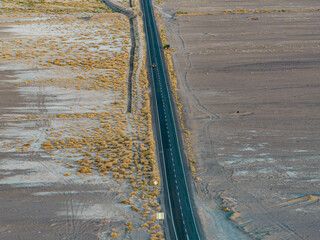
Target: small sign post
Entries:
(160, 217)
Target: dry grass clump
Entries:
(84, 169)
(157, 236)
(155, 227)
(114, 235)
(135, 209)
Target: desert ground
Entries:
(74, 163)
(248, 80)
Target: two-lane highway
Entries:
(180, 210)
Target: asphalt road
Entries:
(179, 208)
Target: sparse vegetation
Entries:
(88, 51)
(244, 11)
(181, 12)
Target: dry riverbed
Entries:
(248, 80)
(74, 164)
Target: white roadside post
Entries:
(160, 216)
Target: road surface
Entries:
(179, 208)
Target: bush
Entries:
(113, 235)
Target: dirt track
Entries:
(249, 84)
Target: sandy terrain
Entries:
(74, 164)
(248, 78)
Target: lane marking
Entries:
(155, 51)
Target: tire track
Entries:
(184, 83)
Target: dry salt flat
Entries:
(73, 162)
(247, 76)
